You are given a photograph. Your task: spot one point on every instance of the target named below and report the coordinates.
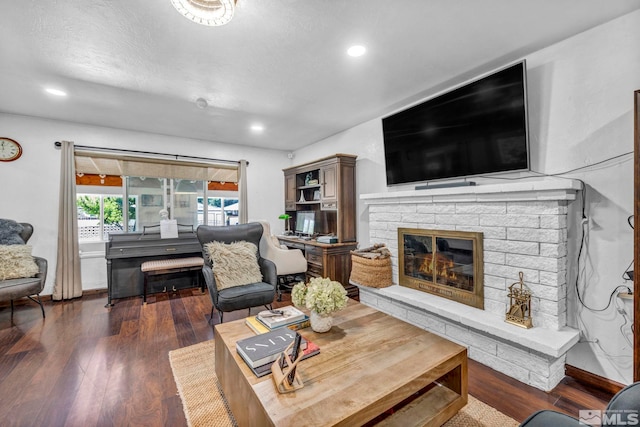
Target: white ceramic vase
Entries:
(320, 322)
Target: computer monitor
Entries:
(305, 222)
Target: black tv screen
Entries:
(478, 128)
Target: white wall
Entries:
(30, 185)
(580, 111)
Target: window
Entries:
(220, 210)
(150, 185)
(186, 194)
(148, 195)
(99, 215)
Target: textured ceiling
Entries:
(139, 65)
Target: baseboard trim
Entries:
(593, 380)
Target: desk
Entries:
(326, 260)
(368, 363)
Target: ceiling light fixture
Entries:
(356, 50)
(206, 12)
(56, 92)
(257, 128)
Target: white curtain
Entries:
(68, 283)
(243, 199)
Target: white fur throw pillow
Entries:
(234, 264)
(16, 262)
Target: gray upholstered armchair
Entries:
(623, 410)
(246, 295)
(11, 289)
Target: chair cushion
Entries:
(16, 262)
(240, 297)
(234, 264)
(10, 232)
(18, 288)
(172, 263)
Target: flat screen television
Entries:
(305, 223)
(476, 129)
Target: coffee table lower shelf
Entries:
(434, 407)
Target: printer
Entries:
(327, 239)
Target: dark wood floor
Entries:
(85, 365)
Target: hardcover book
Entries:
(294, 326)
(264, 348)
(260, 328)
(305, 323)
(289, 314)
(255, 325)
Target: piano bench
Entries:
(169, 266)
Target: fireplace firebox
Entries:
(444, 263)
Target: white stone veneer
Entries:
(524, 224)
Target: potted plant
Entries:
(323, 297)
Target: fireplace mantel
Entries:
(529, 189)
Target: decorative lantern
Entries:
(519, 312)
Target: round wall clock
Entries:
(10, 150)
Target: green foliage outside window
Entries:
(112, 208)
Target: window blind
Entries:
(104, 164)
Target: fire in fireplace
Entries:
(445, 263)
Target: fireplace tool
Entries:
(519, 312)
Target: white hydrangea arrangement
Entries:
(321, 294)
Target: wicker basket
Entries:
(372, 272)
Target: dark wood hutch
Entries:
(328, 188)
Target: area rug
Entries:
(204, 405)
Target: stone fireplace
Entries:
(524, 228)
(442, 262)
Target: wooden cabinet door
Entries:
(329, 181)
(290, 192)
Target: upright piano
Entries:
(126, 252)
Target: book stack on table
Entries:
(260, 351)
(268, 320)
(275, 330)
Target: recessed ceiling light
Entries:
(356, 50)
(201, 103)
(56, 92)
(257, 128)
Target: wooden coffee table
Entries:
(368, 363)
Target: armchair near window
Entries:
(291, 264)
(14, 288)
(226, 294)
